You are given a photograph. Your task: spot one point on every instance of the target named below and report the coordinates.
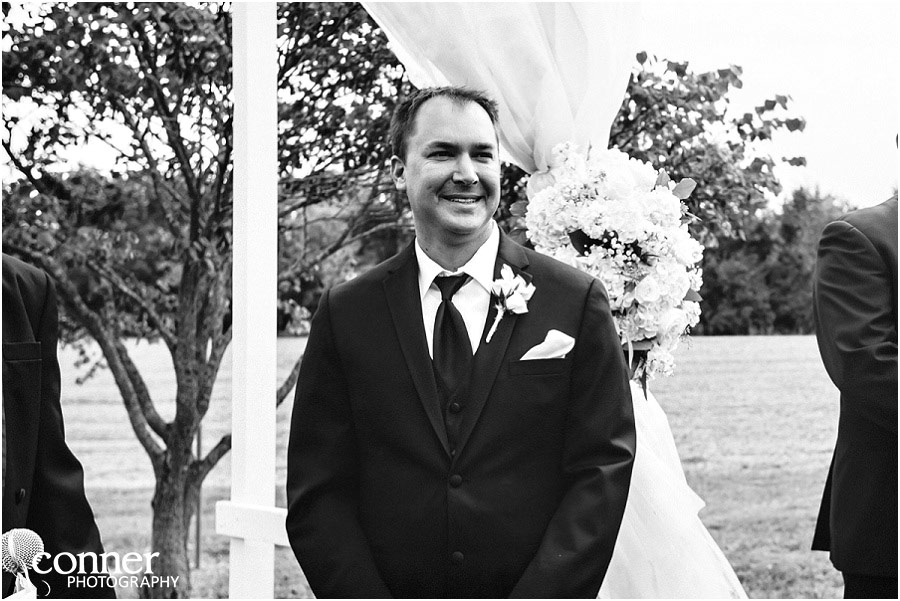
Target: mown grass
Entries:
(754, 419)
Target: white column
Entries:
(254, 302)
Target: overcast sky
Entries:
(837, 60)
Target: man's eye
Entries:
(485, 155)
(440, 154)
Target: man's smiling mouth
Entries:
(465, 199)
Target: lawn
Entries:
(754, 418)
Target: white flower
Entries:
(647, 290)
(512, 293)
(687, 250)
(641, 250)
(673, 320)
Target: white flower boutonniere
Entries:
(512, 293)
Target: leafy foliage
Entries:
(762, 284)
(679, 121)
(338, 85)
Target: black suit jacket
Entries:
(43, 487)
(856, 327)
(520, 492)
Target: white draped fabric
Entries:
(558, 72)
(663, 549)
(557, 69)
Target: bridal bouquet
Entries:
(623, 222)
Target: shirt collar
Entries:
(480, 266)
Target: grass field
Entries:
(754, 418)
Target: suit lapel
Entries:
(402, 290)
(489, 357)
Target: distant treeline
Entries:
(761, 283)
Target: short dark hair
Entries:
(405, 113)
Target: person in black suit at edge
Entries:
(43, 482)
(429, 459)
(856, 327)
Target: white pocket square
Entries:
(555, 346)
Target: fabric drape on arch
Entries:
(557, 69)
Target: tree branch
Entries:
(212, 458)
(25, 170)
(154, 420)
(289, 383)
(120, 284)
(170, 121)
(155, 171)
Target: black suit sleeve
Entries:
(322, 521)
(59, 511)
(855, 323)
(598, 458)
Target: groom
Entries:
(428, 459)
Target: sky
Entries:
(837, 60)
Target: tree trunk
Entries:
(171, 520)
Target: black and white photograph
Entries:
(450, 300)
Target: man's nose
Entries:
(465, 171)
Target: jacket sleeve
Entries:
(322, 464)
(598, 457)
(59, 510)
(856, 324)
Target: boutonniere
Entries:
(512, 293)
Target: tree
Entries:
(338, 85)
(791, 267)
(762, 283)
(736, 298)
(679, 121)
(146, 250)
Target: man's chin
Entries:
(469, 230)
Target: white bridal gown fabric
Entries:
(663, 549)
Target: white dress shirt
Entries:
(472, 301)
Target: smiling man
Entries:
(444, 442)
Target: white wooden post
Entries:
(254, 305)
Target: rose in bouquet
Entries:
(623, 222)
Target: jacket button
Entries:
(455, 407)
(455, 480)
(20, 496)
(456, 558)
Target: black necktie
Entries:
(452, 349)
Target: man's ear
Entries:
(398, 173)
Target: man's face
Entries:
(451, 172)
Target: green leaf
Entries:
(662, 179)
(693, 295)
(639, 345)
(684, 188)
(797, 124)
(519, 208)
